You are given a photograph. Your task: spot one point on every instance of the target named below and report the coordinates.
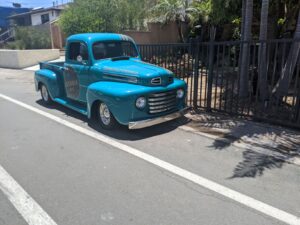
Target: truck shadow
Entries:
(121, 132)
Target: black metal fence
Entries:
(256, 79)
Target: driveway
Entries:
(56, 167)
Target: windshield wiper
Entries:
(120, 58)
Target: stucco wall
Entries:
(18, 59)
(158, 34)
(37, 20)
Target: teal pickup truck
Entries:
(103, 77)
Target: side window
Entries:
(78, 51)
(84, 52)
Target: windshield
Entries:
(113, 49)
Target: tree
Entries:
(282, 86)
(171, 10)
(132, 13)
(85, 16)
(246, 38)
(262, 64)
(104, 16)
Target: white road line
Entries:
(201, 181)
(26, 206)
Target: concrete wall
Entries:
(18, 59)
(158, 34)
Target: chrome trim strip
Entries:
(161, 102)
(161, 99)
(130, 79)
(156, 81)
(150, 122)
(162, 106)
(162, 94)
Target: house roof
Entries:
(34, 12)
(94, 37)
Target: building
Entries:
(9, 11)
(36, 16)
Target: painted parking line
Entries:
(201, 181)
(30, 210)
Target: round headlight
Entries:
(180, 93)
(140, 103)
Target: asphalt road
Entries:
(77, 179)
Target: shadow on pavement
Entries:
(254, 164)
(266, 147)
(121, 132)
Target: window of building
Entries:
(45, 18)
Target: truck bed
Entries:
(56, 67)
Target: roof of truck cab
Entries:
(93, 37)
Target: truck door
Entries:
(77, 71)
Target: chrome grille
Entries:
(156, 81)
(162, 102)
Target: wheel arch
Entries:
(49, 79)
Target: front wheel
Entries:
(105, 117)
(45, 95)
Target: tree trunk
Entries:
(179, 28)
(262, 63)
(282, 86)
(244, 78)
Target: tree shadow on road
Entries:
(121, 132)
(265, 146)
(255, 163)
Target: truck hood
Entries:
(135, 71)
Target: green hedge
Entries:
(31, 38)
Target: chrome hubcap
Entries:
(104, 114)
(45, 93)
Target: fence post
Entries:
(210, 69)
(196, 71)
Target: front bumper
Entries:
(150, 122)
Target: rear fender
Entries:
(48, 78)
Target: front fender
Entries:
(49, 78)
(121, 97)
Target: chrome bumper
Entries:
(158, 120)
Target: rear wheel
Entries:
(45, 94)
(105, 117)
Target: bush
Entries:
(31, 38)
(15, 45)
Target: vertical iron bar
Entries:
(222, 76)
(210, 74)
(216, 79)
(196, 73)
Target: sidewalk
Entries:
(274, 141)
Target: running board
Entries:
(81, 108)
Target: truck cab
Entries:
(103, 77)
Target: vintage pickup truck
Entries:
(103, 77)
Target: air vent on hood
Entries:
(156, 81)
